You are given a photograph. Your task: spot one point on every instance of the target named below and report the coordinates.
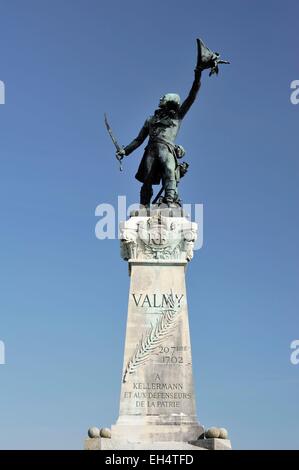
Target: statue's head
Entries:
(170, 99)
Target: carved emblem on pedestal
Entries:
(158, 237)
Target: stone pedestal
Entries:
(157, 402)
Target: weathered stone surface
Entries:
(157, 403)
(93, 432)
(105, 432)
(111, 444)
(157, 395)
(212, 433)
(158, 238)
(213, 444)
(116, 444)
(223, 433)
(92, 443)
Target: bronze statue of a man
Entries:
(160, 159)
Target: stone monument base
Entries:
(100, 443)
(157, 401)
(161, 428)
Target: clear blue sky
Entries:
(63, 293)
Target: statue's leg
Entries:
(146, 194)
(168, 165)
(177, 196)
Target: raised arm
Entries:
(139, 139)
(186, 105)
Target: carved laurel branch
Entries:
(156, 335)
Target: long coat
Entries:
(150, 168)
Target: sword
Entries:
(118, 147)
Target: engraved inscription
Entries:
(157, 395)
(157, 300)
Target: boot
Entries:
(170, 192)
(146, 194)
